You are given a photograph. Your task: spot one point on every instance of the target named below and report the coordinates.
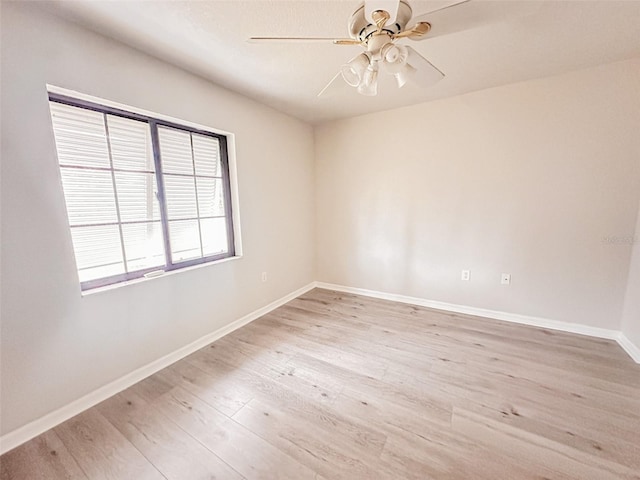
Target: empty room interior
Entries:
(273, 239)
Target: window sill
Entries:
(93, 291)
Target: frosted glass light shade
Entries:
(369, 84)
(404, 75)
(353, 71)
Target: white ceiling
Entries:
(209, 39)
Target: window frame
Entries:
(153, 123)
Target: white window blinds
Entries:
(132, 210)
(194, 193)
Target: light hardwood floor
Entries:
(339, 386)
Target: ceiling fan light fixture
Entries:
(394, 57)
(404, 75)
(369, 84)
(391, 53)
(353, 72)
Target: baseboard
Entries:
(25, 433)
(632, 350)
(628, 346)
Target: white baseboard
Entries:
(629, 347)
(623, 341)
(21, 435)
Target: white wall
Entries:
(526, 179)
(631, 312)
(57, 346)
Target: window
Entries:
(143, 195)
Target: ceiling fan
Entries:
(378, 25)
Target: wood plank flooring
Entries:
(339, 386)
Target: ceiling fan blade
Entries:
(336, 41)
(469, 14)
(335, 85)
(426, 74)
(451, 5)
(389, 6)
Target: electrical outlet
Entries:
(466, 275)
(264, 276)
(505, 279)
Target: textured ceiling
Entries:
(209, 38)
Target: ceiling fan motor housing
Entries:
(362, 29)
(376, 43)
